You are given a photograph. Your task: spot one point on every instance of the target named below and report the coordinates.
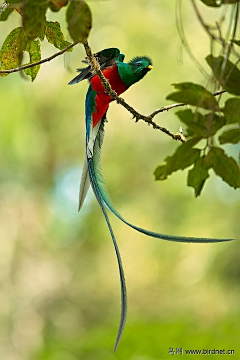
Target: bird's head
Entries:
(140, 65)
(134, 70)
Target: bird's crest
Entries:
(140, 58)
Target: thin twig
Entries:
(202, 22)
(210, 33)
(181, 32)
(231, 45)
(39, 62)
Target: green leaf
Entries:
(42, 34)
(184, 157)
(193, 94)
(56, 5)
(230, 1)
(237, 42)
(232, 110)
(34, 50)
(231, 136)
(79, 20)
(195, 122)
(213, 3)
(5, 10)
(204, 126)
(214, 123)
(198, 175)
(187, 117)
(34, 19)
(11, 53)
(226, 73)
(161, 172)
(224, 166)
(55, 35)
(4, 15)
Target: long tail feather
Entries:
(106, 199)
(84, 185)
(123, 316)
(91, 137)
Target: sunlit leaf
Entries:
(230, 136)
(34, 50)
(184, 157)
(11, 53)
(226, 73)
(34, 19)
(232, 110)
(224, 166)
(79, 20)
(198, 175)
(55, 35)
(193, 94)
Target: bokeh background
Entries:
(60, 292)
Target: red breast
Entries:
(102, 99)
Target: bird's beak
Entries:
(149, 67)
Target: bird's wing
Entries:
(84, 185)
(85, 181)
(91, 134)
(105, 58)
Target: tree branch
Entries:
(148, 119)
(96, 68)
(39, 62)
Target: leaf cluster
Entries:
(209, 122)
(35, 28)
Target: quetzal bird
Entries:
(121, 76)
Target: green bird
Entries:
(121, 76)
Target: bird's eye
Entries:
(138, 64)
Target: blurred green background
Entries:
(60, 291)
